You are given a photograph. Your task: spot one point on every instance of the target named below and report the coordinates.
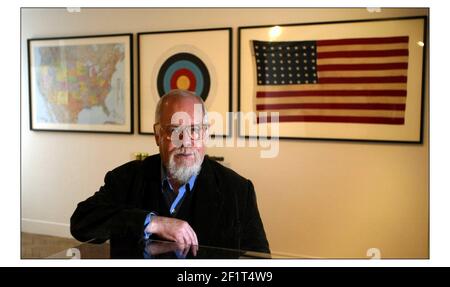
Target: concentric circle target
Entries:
(184, 71)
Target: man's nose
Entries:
(186, 139)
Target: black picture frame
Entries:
(411, 131)
(81, 83)
(210, 49)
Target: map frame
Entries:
(104, 77)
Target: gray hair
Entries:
(178, 93)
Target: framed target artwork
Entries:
(194, 60)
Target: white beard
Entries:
(180, 172)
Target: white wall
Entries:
(317, 198)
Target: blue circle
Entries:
(187, 61)
(187, 65)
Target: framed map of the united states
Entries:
(81, 83)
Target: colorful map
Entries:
(81, 84)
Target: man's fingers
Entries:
(185, 250)
(183, 237)
(180, 238)
(194, 249)
(193, 237)
(189, 236)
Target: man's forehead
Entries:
(183, 110)
(174, 103)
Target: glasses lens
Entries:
(194, 132)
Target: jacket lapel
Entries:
(208, 203)
(152, 182)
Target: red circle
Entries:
(183, 72)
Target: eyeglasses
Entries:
(172, 132)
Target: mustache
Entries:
(184, 150)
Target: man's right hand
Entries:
(173, 229)
(155, 248)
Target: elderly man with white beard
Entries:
(178, 195)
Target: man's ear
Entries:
(156, 135)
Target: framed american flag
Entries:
(352, 80)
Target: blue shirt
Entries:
(181, 191)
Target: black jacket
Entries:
(223, 213)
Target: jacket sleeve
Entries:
(106, 214)
(252, 234)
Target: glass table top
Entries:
(157, 249)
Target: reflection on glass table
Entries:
(156, 249)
